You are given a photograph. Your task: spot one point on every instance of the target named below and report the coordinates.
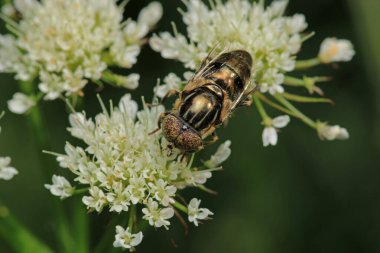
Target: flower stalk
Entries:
(306, 64)
(299, 114)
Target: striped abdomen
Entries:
(201, 108)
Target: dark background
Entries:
(303, 195)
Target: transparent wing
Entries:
(246, 92)
(206, 65)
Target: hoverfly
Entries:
(207, 101)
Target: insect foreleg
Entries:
(168, 94)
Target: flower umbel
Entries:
(123, 166)
(64, 44)
(272, 39)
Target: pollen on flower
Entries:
(63, 44)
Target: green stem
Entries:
(293, 81)
(180, 207)
(260, 107)
(305, 64)
(274, 105)
(64, 234)
(80, 191)
(132, 218)
(300, 115)
(80, 227)
(19, 238)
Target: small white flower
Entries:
(20, 103)
(336, 50)
(156, 216)
(130, 82)
(97, 200)
(125, 239)
(200, 177)
(128, 106)
(162, 192)
(330, 133)
(6, 172)
(119, 199)
(171, 81)
(195, 213)
(151, 14)
(270, 131)
(60, 187)
(221, 154)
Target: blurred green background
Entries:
(303, 195)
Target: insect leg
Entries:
(247, 101)
(170, 93)
(247, 98)
(159, 123)
(214, 138)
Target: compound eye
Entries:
(171, 127)
(189, 141)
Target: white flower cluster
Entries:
(272, 39)
(123, 165)
(6, 172)
(67, 43)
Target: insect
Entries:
(207, 101)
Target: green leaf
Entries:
(80, 227)
(303, 99)
(64, 235)
(17, 237)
